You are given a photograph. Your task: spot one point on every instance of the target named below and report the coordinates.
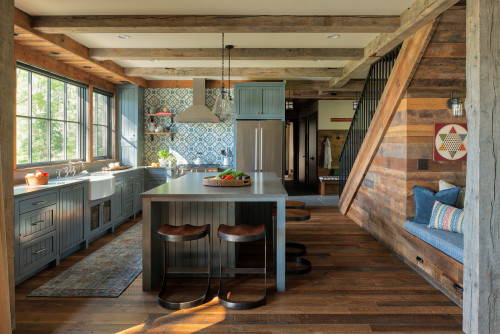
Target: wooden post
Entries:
(7, 91)
(481, 308)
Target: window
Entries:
(49, 117)
(102, 121)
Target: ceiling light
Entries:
(333, 36)
(123, 36)
(155, 60)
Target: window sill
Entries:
(32, 169)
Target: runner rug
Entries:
(107, 272)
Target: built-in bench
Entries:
(450, 243)
(324, 180)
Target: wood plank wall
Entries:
(336, 146)
(385, 199)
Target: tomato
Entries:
(45, 174)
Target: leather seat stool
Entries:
(242, 233)
(188, 232)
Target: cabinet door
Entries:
(138, 190)
(116, 202)
(273, 102)
(128, 197)
(106, 217)
(249, 102)
(71, 226)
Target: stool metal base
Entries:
(301, 249)
(298, 260)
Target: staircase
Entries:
(367, 104)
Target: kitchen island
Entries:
(186, 200)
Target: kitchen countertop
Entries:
(191, 186)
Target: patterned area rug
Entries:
(105, 273)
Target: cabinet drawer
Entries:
(128, 207)
(37, 252)
(156, 172)
(37, 202)
(36, 223)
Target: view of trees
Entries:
(100, 128)
(48, 124)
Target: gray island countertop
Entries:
(190, 186)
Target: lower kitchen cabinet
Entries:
(100, 216)
(50, 224)
(35, 222)
(72, 207)
(155, 177)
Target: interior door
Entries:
(312, 175)
(302, 150)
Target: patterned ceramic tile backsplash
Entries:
(207, 138)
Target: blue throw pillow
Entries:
(425, 198)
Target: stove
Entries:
(193, 168)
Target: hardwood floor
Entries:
(356, 286)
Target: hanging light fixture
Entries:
(219, 108)
(229, 99)
(455, 104)
(289, 102)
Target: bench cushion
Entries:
(452, 244)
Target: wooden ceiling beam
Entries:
(352, 86)
(236, 54)
(216, 24)
(319, 95)
(283, 72)
(67, 50)
(413, 19)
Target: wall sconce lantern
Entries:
(455, 104)
(355, 103)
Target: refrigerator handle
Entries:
(260, 157)
(256, 154)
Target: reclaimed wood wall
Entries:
(385, 199)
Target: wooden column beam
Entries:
(68, 50)
(283, 72)
(418, 15)
(401, 75)
(7, 108)
(216, 24)
(236, 54)
(481, 306)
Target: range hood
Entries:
(198, 112)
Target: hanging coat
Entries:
(328, 155)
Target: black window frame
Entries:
(109, 125)
(82, 106)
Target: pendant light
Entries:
(229, 99)
(355, 103)
(219, 108)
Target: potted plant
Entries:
(162, 157)
(172, 161)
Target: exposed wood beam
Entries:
(284, 72)
(216, 24)
(70, 51)
(320, 95)
(401, 75)
(414, 18)
(352, 86)
(236, 54)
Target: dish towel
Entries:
(328, 155)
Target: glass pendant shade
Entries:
(457, 109)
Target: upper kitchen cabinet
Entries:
(130, 105)
(259, 100)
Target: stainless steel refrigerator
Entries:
(259, 146)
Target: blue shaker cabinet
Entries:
(130, 117)
(73, 201)
(259, 100)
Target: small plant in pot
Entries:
(166, 159)
(162, 157)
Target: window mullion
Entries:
(30, 123)
(49, 124)
(65, 118)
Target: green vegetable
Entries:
(163, 154)
(236, 174)
(226, 172)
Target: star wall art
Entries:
(450, 141)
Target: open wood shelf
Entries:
(171, 134)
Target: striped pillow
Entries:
(447, 218)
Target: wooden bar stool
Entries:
(242, 233)
(300, 249)
(169, 233)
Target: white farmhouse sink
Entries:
(100, 186)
